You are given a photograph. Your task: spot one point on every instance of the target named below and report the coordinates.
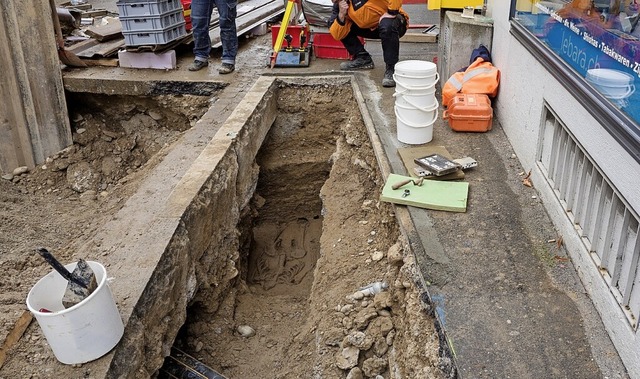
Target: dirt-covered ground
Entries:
(62, 202)
(298, 309)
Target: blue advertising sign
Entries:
(602, 50)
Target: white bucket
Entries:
(418, 116)
(414, 133)
(417, 98)
(613, 84)
(416, 82)
(415, 68)
(84, 332)
(415, 74)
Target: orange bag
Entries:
(480, 77)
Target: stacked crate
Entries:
(186, 4)
(151, 22)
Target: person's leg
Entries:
(362, 58)
(227, 10)
(390, 31)
(200, 20)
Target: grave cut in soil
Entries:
(314, 235)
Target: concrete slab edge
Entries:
(171, 249)
(219, 182)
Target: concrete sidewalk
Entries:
(510, 301)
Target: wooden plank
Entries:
(14, 336)
(419, 38)
(431, 194)
(101, 62)
(107, 32)
(79, 47)
(79, 7)
(95, 13)
(102, 50)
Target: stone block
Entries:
(458, 37)
(162, 61)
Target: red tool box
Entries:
(325, 46)
(469, 112)
(295, 31)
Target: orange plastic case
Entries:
(469, 112)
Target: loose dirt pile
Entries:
(62, 202)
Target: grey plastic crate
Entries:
(159, 37)
(151, 23)
(147, 8)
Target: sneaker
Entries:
(226, 68)
(198, 65)
(388, 81)
(362, 62)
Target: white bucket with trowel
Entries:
(80, 320)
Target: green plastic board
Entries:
(432, 194)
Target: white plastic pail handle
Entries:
(435, 117)
(435, 105)
(631, 88)
(410, 87)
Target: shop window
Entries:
(599, 39)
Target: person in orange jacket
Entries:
(375, 19)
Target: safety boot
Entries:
(388, 80)
(361, 62)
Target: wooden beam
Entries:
(14, 335)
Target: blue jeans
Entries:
(200, 20)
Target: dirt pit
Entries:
(313, 238)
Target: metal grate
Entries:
(608, 227)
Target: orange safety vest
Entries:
(480, 77)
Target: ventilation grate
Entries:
(608, 227)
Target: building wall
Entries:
(525, 86)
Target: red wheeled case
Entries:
(469, 112)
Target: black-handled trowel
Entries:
(82, 281)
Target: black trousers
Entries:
(388, 31)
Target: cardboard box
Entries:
(469, 112)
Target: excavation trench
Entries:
(242, 238)
(311, 236)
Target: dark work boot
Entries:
(388, 81)
(361, 62)
(226, 68)
(198, 65)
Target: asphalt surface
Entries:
(506, 296)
